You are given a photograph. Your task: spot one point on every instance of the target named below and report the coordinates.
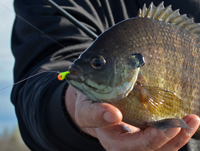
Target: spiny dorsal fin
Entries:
(169, 16)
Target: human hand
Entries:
(104, 122)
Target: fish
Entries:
(147, 66)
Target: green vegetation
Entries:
(12, 141)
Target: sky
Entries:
(7, 113)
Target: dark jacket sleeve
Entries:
(39, 101)
(51, 45)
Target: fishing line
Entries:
(40, 32)
(31, 77)
(63, 12)
(32, 25)
(62, 75)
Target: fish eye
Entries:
(98, 62)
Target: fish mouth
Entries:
(97, 91)
(75, 74)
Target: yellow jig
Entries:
(62, 75)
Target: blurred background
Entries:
(10, 139)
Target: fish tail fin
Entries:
(168, 123)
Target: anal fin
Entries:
(168, 123)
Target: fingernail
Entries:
(171, 132)
(191, 124)
(109, 117)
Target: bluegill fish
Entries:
(147, 66)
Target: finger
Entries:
(152, 139)
(90, 114)
(185, 134)
(113, 138)
(119, 128)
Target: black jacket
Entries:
(39, 102)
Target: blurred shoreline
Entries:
(11, 140)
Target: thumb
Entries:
(92, 114)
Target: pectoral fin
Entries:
(158, 100)
(168, 123)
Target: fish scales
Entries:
(147, 66)
(166, 49)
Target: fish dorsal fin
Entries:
(169, 16)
